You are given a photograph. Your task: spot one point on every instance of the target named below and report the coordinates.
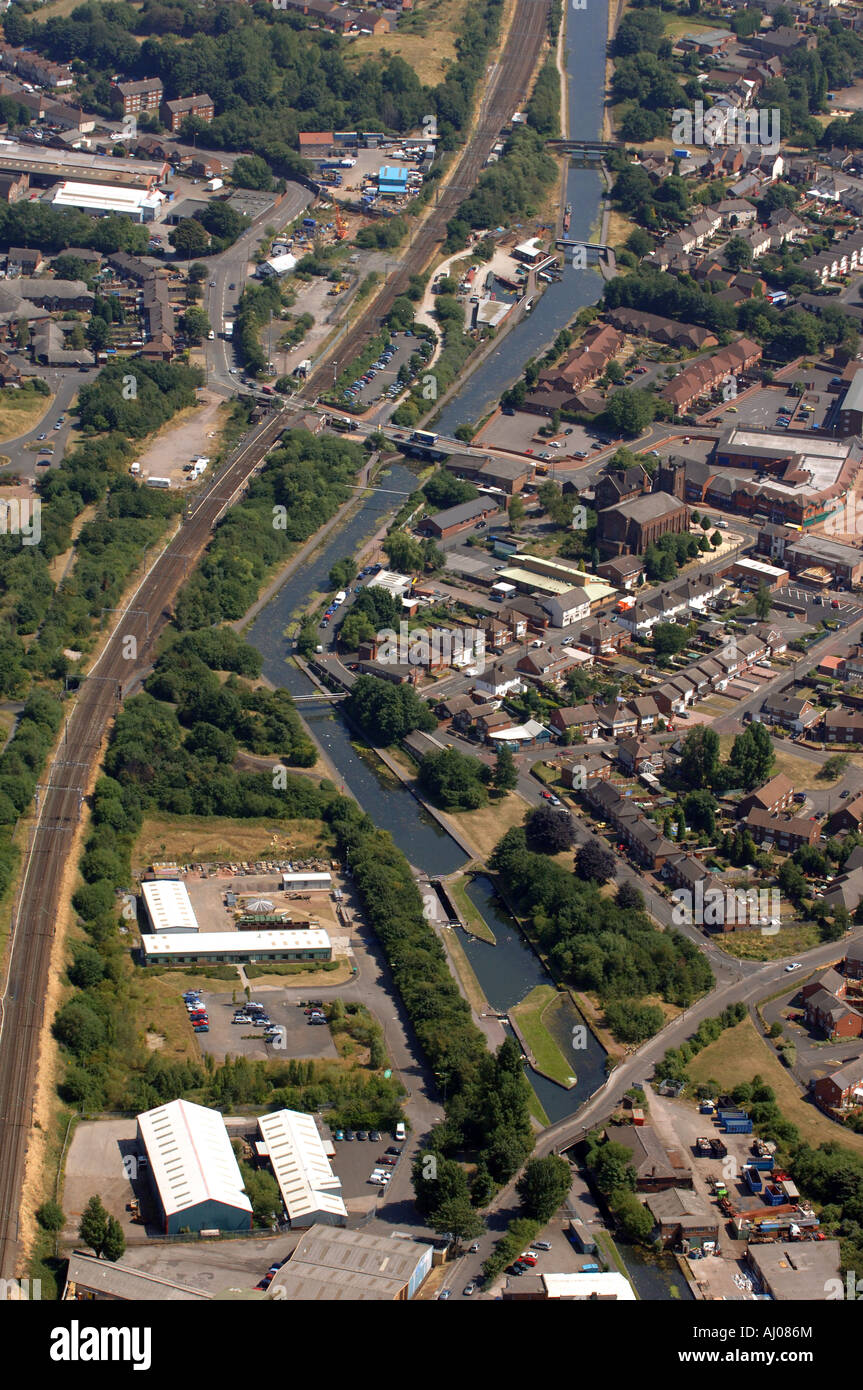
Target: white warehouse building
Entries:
(310, 1190)
(194, 1175)
(169, 907)
(292, 883)
(104, 199)
(236, 947)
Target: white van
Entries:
(401, 1132)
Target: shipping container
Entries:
(737, 1127)
(753, 1179)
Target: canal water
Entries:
(509, 971)
(584, 61)
(415, 832)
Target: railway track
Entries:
(506, 91)
(24, 989)
(22, 1001)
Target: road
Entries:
(220, 301)
(505, 94)
(22, 1001)
(65, 383)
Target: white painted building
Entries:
(169, 908)
(192, 1169)
(310, 1190)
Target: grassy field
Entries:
(427, 44)
(475, 923)
(469, 982)
(675, 27)
(547, 1055)
(801, 771)
(751, 945)
(484, 828)
(204, 839)
(738, 1055)
(21, 411)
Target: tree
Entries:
(516, 512)
(629, 411)
(612, 1168)
(504, 774)
(93, 1229)
(592, 862)
(752, 756)
(763, 602)
(543, 1186)
(114, 1245)
(453, 780)
(196, 325)
(634, 1217)
(700, 757)
(189, 238)
(403, 552)
(738, 253)
(549, 829)
(669, 638)
(629, 897)
(51, 1216)
(458, 1216)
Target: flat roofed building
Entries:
(92, 1280)
(798, 1272)
(310, 1189)
(169, 907)
(578, 1286)
(331, 1264)
(231, 948)
(101, 199)
(52, 164)
(193, 1172)
(293, 881)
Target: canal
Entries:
(509, 971)
(584, 60)
(415, 832)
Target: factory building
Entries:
(103, 200)
(303, 882)
(193, 1173)
(236, 948)
(331, 1265)
(169, 908)
(310, 1190)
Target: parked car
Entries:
(469, 1289)
(202, 1027)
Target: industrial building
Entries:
(310, 1189)
(392, 182)
(103, 200)
(236, 948)
(193, 1173)
(169, 907)
(799, 1271)
(47, 166)
(331, 1264)
(92, 1280)
(293, 883)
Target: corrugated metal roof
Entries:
(191, 1157)
(308, 1185)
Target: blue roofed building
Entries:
(392, 182)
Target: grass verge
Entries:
(547, 1055)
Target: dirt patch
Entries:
(211, 839)
(193, 431)
(155, 1041)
